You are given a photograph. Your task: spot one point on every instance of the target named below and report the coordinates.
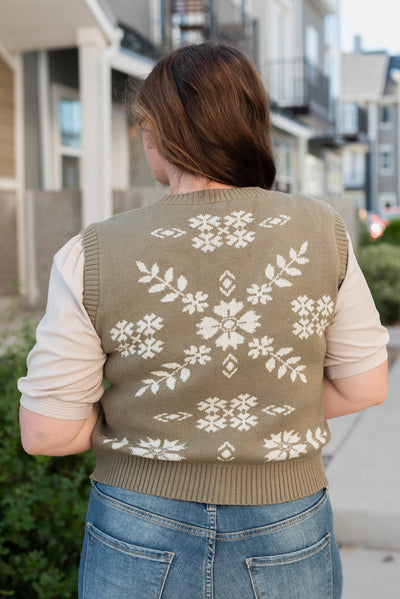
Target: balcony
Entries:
(194, 21)
(353, 123)
(328, 7)
(300, 88)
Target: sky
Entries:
(377, 21)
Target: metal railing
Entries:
(300, 86)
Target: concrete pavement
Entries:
(363, 469)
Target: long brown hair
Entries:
(209, 114)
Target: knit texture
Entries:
(212, 307)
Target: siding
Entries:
(7, 148)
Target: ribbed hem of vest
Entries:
(91, 283)
(227, 484)
(213, 196)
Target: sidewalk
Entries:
(363, 469)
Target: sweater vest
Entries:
(212, 308)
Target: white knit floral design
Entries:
(278, 276)
(167, 417)
(313, 315)
(278, 358)
(220, 414)
(152, 448)
(284, 445)
(288, 444)
(216, 231)
(318, 438)
(159, 450)
(138, 338)
(273, 221)
(193, 303)
(173, 371)
(172, 233)
(283, 410)
(226, 451)
(230, 326)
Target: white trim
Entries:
(109, 30)
(8, 184)
(46, 153)
(19, 128)
(289, 126)
(8, 58)
(129, 64)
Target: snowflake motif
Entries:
(259, 294)
(229, 325)
(219, 411)
(313, 315)
(241, 418)
(284, 445)
(198, 355)
(157, 450)
(140, 341)
(263, 347)
(226, 451)
(193, 303)
(215, 231)
(215, 419)
(282, 410)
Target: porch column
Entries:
(95, 94)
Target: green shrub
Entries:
(380, 264)
(43, 501)
(392, 233)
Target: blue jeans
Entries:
(140, 546)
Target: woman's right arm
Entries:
(356, 356)
(355, 393)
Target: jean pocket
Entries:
(114, 568)
(304, 574)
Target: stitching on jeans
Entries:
(203, 532)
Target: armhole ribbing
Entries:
(342, 247)
(91, 280)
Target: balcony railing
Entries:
(199, 20)
(299, 86)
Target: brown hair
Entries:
(208, 110)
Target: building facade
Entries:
(69, 151)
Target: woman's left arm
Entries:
(42, 435)
(64, 383)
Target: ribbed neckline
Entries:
(213, 196)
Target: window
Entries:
(386, 160)
(385, 115)
(68, 137)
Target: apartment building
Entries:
(73, 155)
(370, 96)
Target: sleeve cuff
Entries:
(56, 408)
(344, 370)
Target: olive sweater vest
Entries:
(211, 307)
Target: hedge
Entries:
(380, 263)
(43, 501)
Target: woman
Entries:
(230, 322)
